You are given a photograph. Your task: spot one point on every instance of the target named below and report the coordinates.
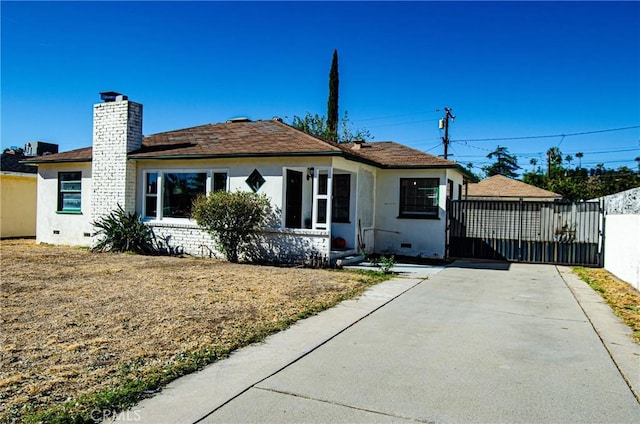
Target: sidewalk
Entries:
(474, 342)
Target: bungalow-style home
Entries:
(330, 200)
(499, 187)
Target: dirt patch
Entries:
(75, 322)
(623, 298)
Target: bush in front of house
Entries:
(232, 219)
(120, 231)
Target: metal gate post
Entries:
(520, 231)
(603, 223)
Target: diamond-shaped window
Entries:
(255, 181)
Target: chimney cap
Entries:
(112, 96)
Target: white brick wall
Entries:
(276, 245)
(117, 130)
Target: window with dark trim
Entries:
(179, 191)
(341, 197)
(70, 192)
(450, 189)
(170, 194)
(219, 181)
(419, 198)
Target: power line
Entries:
(434, 147)
(402, 123)
(550, 136)
(535, 154)
(394, 116)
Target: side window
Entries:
(219, 181)
(70, 192)
(151, 195)
(450, 189)
(419, 197)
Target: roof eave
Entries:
(232, 155)
(36, 162)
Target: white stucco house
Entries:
(331, 200)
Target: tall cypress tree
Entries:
(332, 104)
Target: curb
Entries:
(614, 334)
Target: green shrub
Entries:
(120, 231)
(383, 263)
(232, 219)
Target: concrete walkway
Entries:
(475, 342)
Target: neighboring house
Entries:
(17, 197)
(500, 187)
(378, 197)
(18, 190)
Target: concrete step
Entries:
(349, 260)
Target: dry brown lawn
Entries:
(623, 298)
(75, 322)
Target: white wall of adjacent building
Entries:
(622, 236)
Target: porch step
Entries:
(348, 260)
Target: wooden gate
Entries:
(535, 232)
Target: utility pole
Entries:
(444, 124)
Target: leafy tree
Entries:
(232, 219)
(568, 159)
(581, 183)
(312, 124)
(505, 163)
(554, 155)
(120, 231)
(348, 135)
(332, 104)
(317, 125)
(18, 150)
(579, 155)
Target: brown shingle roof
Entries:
(261, 138)
(500, 186)
(235, 138)
(394, 155)
(77, 155)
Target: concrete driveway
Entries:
(475, 342)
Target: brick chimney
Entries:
(358, 144)
(117, 130)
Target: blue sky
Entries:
(507, 69)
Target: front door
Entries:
(293, 209)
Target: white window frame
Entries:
(317, 197)
(160, 188)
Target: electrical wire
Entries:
(394, 116)
(550, 136)
(402, 123)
